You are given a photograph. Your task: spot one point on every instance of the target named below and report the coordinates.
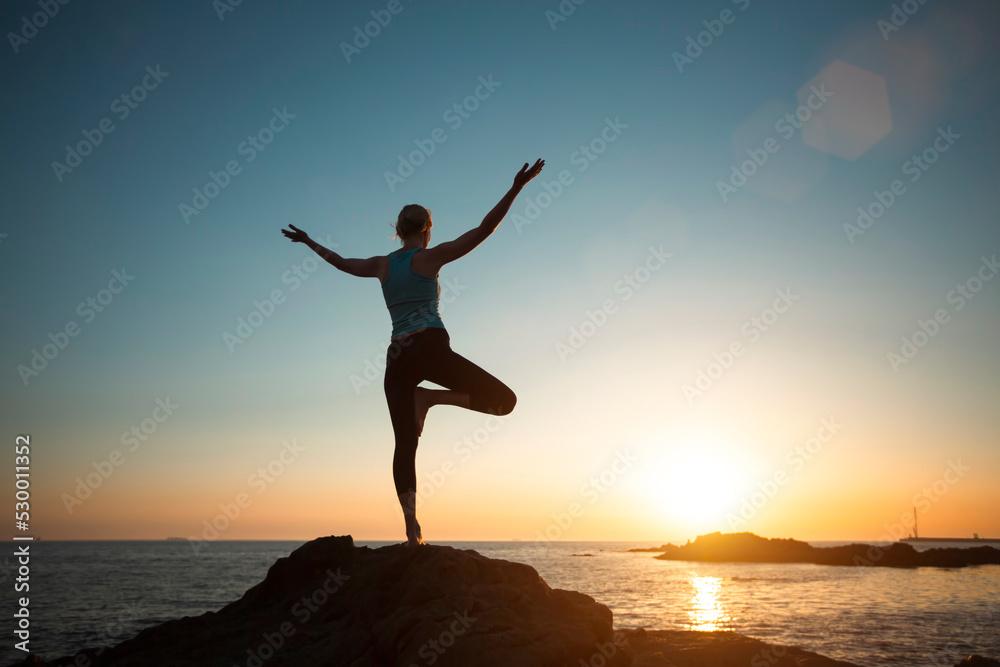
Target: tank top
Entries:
(412, 299)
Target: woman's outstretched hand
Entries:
(296, 236)
(522, 177)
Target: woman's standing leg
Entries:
(401, 379)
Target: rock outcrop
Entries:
(683, 648)
(331, 603)
(978, 661)
(750, 548)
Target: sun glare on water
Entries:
(706, 613)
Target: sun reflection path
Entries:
(706, 611)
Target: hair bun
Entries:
(413, 219)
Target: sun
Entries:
(695, 484)
(700, 488)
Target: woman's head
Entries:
(413, 221)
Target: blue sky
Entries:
(680, 131)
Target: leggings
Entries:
(427, 355)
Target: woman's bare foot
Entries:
(408, 502)
(413, 537)
(422, 399)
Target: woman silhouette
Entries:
(420, 347)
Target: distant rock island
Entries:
(331, 604)
(750, 548)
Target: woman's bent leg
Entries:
(427, 398)
(452, 370)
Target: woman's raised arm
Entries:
(363, 268)
(449, 251)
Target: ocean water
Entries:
(89, 593)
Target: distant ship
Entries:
(916, 538)
(183, 539)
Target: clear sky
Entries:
(702, 329)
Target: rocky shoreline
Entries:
(330, 603)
